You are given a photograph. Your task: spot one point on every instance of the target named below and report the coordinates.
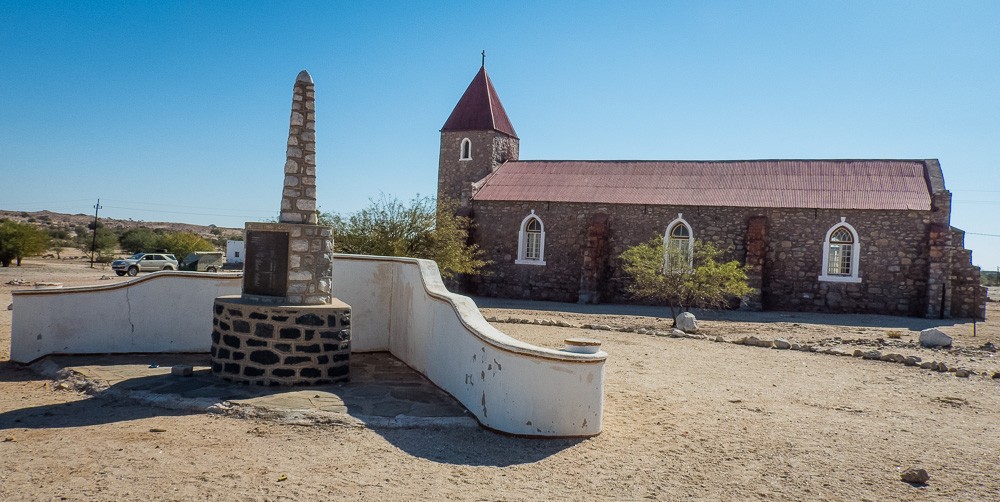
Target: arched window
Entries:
(531, 241)
(466, 149)
(841, 254)
(678, 244)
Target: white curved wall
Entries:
(397, 304)
(161, 312)
(401, 305)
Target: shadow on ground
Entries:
(384, 394)
(475, 447)
(855, 320)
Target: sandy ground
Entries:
(684, 420)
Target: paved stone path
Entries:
(383, 392)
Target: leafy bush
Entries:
(703, 283)
(420, 229)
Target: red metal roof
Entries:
(479, 109)
(823, 184)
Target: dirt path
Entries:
(684, 420)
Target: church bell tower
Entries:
(475, 140)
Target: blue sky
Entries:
(178, 111)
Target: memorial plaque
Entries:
(265, 268)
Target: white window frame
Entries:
(462, 150)
(855, 276)
(679, 220)
(522, 241)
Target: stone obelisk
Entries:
(287, 328)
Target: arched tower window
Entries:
(531, 241)
(678, 244)
(841, 253)
(466, 153)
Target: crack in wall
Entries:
(128, 303)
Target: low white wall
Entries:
(509, 385)
(397, 304)
(160, 312)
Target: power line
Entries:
(986, 235)
(179, 205)
(199, 213)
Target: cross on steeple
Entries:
(484, 57)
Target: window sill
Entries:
(839, 278)
(470, 158)
(529, 262)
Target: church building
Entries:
(840, 235)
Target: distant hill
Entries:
(51, 220)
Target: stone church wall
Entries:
(893, 252)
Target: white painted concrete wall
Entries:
(509, 385)
(235, 251)
(398, 304)
(160, 312)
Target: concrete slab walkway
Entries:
(383, 392)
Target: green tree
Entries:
(106, 243)
(180, 244)
(704, 282)
(137, 240)
(420, 229)
(18, 240)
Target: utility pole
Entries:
(93, 245)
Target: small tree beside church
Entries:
(683, 283)
(420, 229)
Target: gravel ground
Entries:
(685, 419)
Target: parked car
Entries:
(203, 261)
(144, 262)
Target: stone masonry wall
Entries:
(893, 245)
(490, 149)
(298, 199)
(968, 295)
(280, 345)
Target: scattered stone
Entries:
(105, 278)
(911, 361)
(927, 366)
(686, 322)
(859, 353)
(933, 337)
(941, 368)
(642, 331)
(996, 375)
(962, 373)
(8, 439)
(782, 344)
(184, 370)
(154, 429)
(564, 324)
(872, 355)
(796, 346)
(676, 333)
(601, 327)
(988, 346)
(662, 333)
(720, 338)
(492, 318)
(915, 476)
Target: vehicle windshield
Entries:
(136, 256)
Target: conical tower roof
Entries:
(479, 109)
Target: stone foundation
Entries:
(263, 344)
